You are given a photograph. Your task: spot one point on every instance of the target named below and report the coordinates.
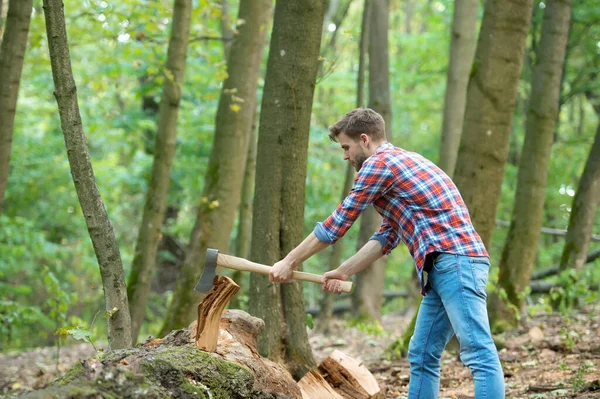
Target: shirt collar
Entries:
(386, 145)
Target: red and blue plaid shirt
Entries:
(419, 203)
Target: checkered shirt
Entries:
(419, 203)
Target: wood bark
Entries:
(244, 232)
(368, 293)
(278, 217)
(96, 218)
(583, 211)
(490, 106)
(520, 248)
(223, 181)
(226, 30)
(336, 253)
(210, 310)
(462, 51)
(12, 54)
(142, 269)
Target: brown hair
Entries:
(357, 122)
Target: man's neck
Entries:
(373, 146)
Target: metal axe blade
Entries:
(210, 269)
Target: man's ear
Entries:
(364, 138)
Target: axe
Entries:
(214, 259)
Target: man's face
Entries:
(353, 151)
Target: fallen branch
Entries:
(547, 230)
(341, 308)
(554, 270)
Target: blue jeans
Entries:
(455, 304)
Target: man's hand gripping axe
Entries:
(214, 259)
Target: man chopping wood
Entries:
(422, 207)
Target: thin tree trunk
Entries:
(142, 269)
(367, 297)
(583, 211)
(336, 254)
(409, 8)
(226, 30)
(96, 218)
(490, 106)
(280, 177)
(244, 232)
(223, 181)
(12, 53)
(462, 50)
(520, 248)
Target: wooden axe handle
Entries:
(233, 262)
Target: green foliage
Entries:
(369, 327)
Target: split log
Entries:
(210, 310)
(314, 386)
(349, 377)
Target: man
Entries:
(421, 206)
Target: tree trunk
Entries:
(226, 31)
(223, 180)
(280, 177)
(368, 294)
(583, 211)
(244, 232)
(142, 269)
(490, 106)
(12, 53)
(96, 218)
(462, 49)
(336, 254)
(409, 8)
(520, 248)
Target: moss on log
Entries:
(174, 367)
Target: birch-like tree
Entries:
(367, 297)
(223, 181)
(142, 269)
(12, 54)
(584, 208)
(335, 258)
(462, 49)
(491, 97)
(521, 246)
(281, 175)
(96, 217)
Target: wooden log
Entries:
(210, 310)
(349, 377)
(314, 386)
(238, 334)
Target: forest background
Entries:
(48, 270)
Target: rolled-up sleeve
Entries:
(371, 182)
(387, 237)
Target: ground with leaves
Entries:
(549, 356)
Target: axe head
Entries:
(208, 274)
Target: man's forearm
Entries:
(368, 254)
(307, 248)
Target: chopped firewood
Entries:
(209, 312)
(349, 377)
(314, 386)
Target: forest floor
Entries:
(548, 356)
